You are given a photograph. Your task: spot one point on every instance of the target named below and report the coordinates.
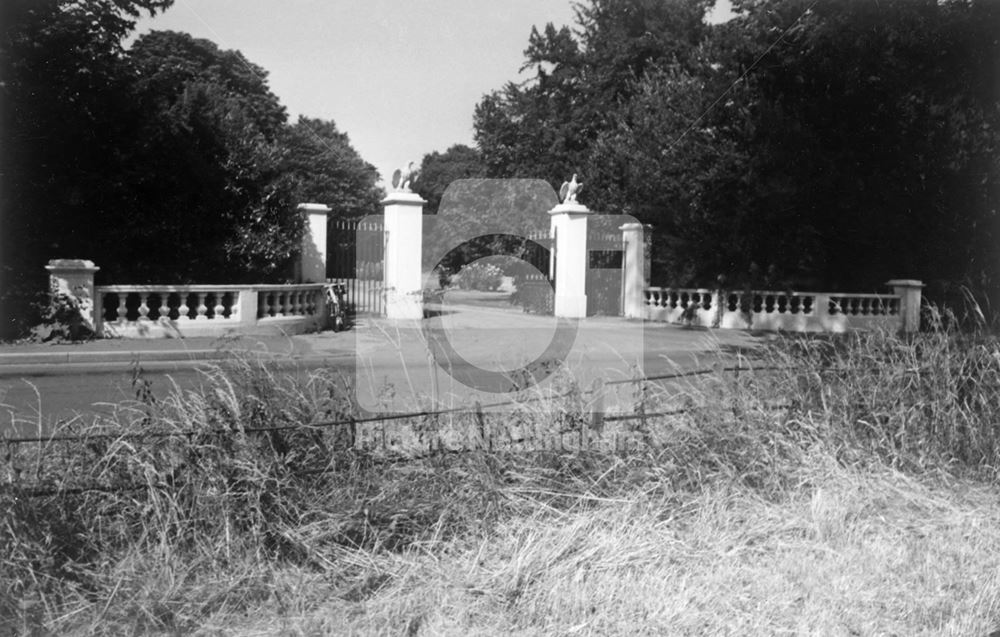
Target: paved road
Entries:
(484, 347)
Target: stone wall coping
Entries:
(261, 287)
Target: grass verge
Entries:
(849, 489)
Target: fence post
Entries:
(909, 291)
(75, 277)
(634, 278)
(311, 267)
(481, 425)
(597, 406)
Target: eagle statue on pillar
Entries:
(403, 177)
(569, 190)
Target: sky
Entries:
(401, 78)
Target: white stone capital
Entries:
(314, 208)
(571, 208)
(68, 266)
(905, 283)
(403, 198)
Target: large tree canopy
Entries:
(823, 142)
(327, 169)
(66, 123)
(439, 170)
(168, 162)
(208, 167)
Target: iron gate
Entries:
(536, 285)
(357, 255)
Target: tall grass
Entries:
(844, 488)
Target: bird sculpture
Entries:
(569, 190)
(403, 177)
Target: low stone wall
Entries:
(789, 311)
(165, 311)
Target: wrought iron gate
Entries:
(536, 286)
(356, 249)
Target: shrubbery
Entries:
(485, 277)
(63, 320)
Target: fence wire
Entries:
(584, 431)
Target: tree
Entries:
(217, 205)
(825, 142)
(877, 126)
(439, 170)
(66, 118)
(327, 169)
(547, 126)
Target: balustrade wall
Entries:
(764, 310)
(154, 311)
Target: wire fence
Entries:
(386, 417)
(581, 428)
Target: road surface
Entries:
(483, 350)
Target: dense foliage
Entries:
(167, 162)
(439, 170)
(806, 142)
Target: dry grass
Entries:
(858, 554)
(859, 500)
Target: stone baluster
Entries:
(183, 310)
(144, 306)
(219, 306)
(164, 309)
(202, 309)
(122, 310)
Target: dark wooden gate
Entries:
(605, 255)
(356, 249)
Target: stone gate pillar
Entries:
(634, 277)
(311, 267)
(910, 292)
(75, 277)
(403, 279)
(568, 222)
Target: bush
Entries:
(480, 276)
(63, 320)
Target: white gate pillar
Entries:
(403, 278)
(634, 275)
(311, 267)
(568, 222)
